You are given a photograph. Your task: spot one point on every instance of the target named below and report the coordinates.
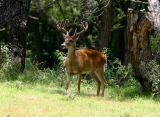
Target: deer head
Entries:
(70, 40)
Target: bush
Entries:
(8, 68)
(153, 43)
(151, 71)
(119, 75)
(33, 75)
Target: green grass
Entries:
(40, 93)
(18, 99)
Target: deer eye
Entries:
(70, 40)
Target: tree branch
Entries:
(2, 29)
(138, 1)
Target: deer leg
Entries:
(103, 89)
(102, 79)
(93, 75)
(67, 82)
(79, 83)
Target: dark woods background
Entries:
(107, 27)
(29, 28)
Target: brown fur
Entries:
(83, 61)
(87, 61)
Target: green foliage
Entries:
(124, 93)
(5, 55)
(119, 75)
(153, 44)
(8, 67)
(60, 57)
(151, 71)
(31, 74)
(65, 10)
(118, 18)
(106, 51)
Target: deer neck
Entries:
(71, 52)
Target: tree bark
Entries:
(14, 15)
(138, 44)
(104, 37)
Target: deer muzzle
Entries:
(63, 45)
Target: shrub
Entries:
(119, 75)
(31, 74)
(151, 71)
(153, 43)
(8, 68)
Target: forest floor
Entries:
(26, 100)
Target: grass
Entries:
(40, 93)
(18, 99)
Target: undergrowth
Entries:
(151, 71)
(116, 75)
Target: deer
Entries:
(82, 61)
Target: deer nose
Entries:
(63, 45)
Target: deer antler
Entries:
(62, 27)
(84, 26)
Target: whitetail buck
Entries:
(82, 61)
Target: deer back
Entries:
(85, 61)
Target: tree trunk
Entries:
(138, 44)
(104, 37)
(14, 13)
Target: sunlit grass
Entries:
(40, 93)
(19, 99)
